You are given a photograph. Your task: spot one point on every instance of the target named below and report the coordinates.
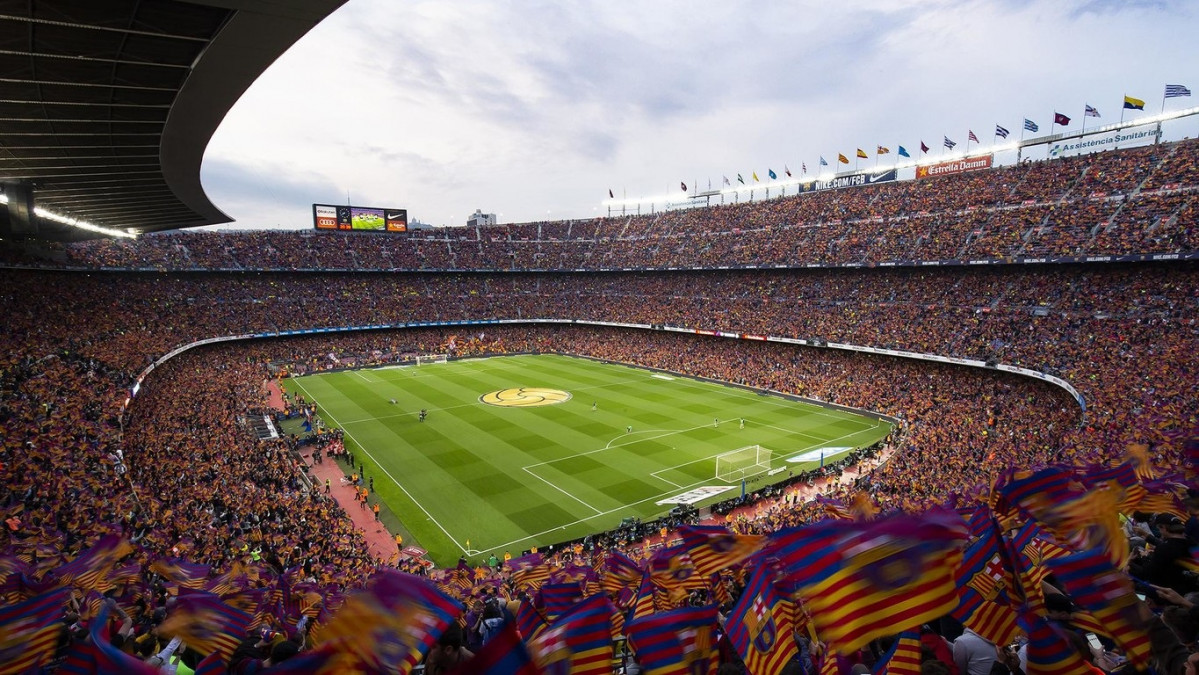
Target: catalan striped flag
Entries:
(1035, 492)
(761, 626)
(984, 584)
(1097, 586)
(182, 572)
(1049, 652)
(643, 604)
(860, 581)
(96, 655)
(89, 569)
(1095, 518)
(206, 624)
(673, 568)
(620, 572)
(904, 656)
(1138, 454)
(678, 642)
(29, 631)
(713, 548)
(580, 642)
(392, 622)
(503, 654)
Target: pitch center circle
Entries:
(525, 397)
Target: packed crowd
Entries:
(181, 478)
(1133, 201)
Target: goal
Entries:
(743, 463)
(431, 358)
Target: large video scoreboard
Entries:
(359, 218)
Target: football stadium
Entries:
(936, 413)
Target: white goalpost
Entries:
(431, 358)
(742, 463)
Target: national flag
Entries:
(949, 144)
(1097, 586)
(726, 180)
(904, 656)
(503, 654)
(90, 567)
(804, 166)
(683, 185)
(1001, 132)
(862, 154)
(713, 548)
(678, 642)
(740, 179)
(823, 162)
(1030, 125)
(863, 580)
(643, 603)
(29, 631)
(903, 152)
(970, 136)
(1176, 90)
(580, 642)
(842, 158)
(610, 195)
(786, 171)
(1091, 111)
(1049, 652)
(883, 150)
(390, 624)
(206, 624)
(1131, 103)
(1138, 454)
(772, 174)
(1060, 119)
(923, 147)
(755, 175)
(760, 626)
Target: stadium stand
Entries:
(207, 512)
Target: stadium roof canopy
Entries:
(106, 106)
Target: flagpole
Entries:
(1122, 109)
(1084, 119)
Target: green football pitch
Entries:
(532, 467)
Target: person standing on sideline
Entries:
(376, 510)
(328, 486)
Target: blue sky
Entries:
(533, 110)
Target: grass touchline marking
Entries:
(547, 482)
(380, 467)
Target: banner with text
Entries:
(955, 166)
(852, 180)
(1108, 140)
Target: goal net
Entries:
(432, 358)
(743, 463)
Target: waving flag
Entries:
(206, 624)
(1176, 90)
(772, 174)
(755, 175)
(683, 185)
(1001, 132)
(620, 572)
(862, 154)
(842, 158)
(863, 580)
(972, 137)
(786, 171)
(558, 598)
(949, 144)
(740, 179)
(1131, 103)
(726, 180)
(29, 631)
(1049, 652)
(713, 548)
(610, 195)
(903, 658)
(822, 161)
(760, 625)
(92, 566)
(1091, 111)
(1060, 119)
(1030, 125)
(923, 147)
(883, 150)
(1108, 594)
(182, 572)
(903, 152)
(984, 585)
(804, 166)
(503, 654)
(580, 642)
(678, 642)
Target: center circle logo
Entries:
(525, 397)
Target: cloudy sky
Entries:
(535, 109)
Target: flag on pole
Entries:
(972, 137)
(1062, 120)
(903, 152)
(740, 179)
(842, 158)
(823, 162)
(610, 195)
(713, 548)
(683, 185)
(1030, 125)
(772, 174)
(206, 624)
(923, 147)
(1001, 132)
(760, 625)
(804, 166)
(949, 144)
(1131, 103)
(755, 175)
(678, 642)
(1176, 90)
(883, 150)
(1091, 111)
(580, 642)
(862, 154)
(786, 171)
(1107, 594)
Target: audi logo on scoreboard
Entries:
(359, 218)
